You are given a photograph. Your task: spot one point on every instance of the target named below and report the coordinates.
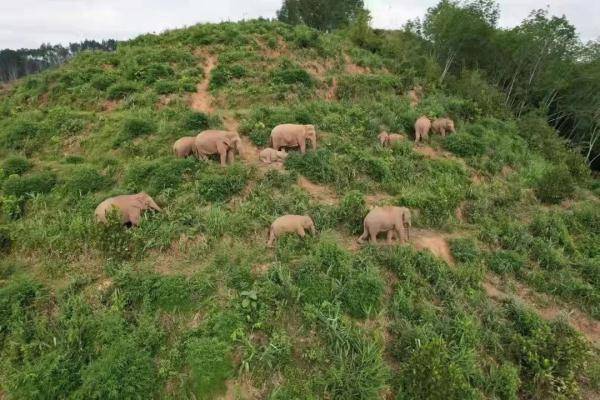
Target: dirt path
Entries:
(318, 192)
(544, 307)
(202, 100)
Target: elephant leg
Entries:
(230, 157)
(134, 217)
(364, 236)
(223, 149)
(271, 238)
(373, 236)
(301, 232)
(398, 231)
(390, 236)
(202, 156)
(302, 145)
(417, 137)
(443, 131)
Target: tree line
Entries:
(540, 66)
(15, 64)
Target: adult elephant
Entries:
(223, 143)
(128, 207)
(293, 135)
(395, 221)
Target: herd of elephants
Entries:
(394, 221)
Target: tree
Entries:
(324, 15)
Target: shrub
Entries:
(222, 184)
(506, 261)
(315, 165)
(39, 183)
(133, 127)
(288, 73)
(157, 175)
(465, 145)
(223, 74)
(305, 37)
(86, 180)
(364, 293)
(547, 255)
(102, 81)
(465, 250)
(5, 240)
(555, 185)
(121, 90)
(164, 86)
(551, 227)
(19, 131)
(352, 211)
(123, 370)
(15, 165)
(113, 239)
(195, 121)
(210, 365)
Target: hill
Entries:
(496, 295)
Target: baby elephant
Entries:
(422, 127)
(388, 139)
(184, 147)
(269, 155)
(290, 224)
(393, 220)
(443, 125)
(129, 207)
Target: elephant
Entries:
(269, 155)
(129, 207)
(184, 147)
(415, 95)
(422, 127)
(443, 125)
(292, 135)
(290, 224)
(388, 139)
(393, 220)
(223, 143)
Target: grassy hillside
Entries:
(496, 297)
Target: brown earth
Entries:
(433, 241)
(202, 100)
(318, 192)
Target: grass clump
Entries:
(465, 250)
(210, 365)
(15, 165)
(158, 175)
(220, 185)
(506, 261)
(555, 185)
(86, 180)
(36, 183)
(120, 90)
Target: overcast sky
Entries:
(29, 23)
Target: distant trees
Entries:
(15, 64)
(324, 15)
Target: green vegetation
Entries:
(192, 304)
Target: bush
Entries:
(39, 183)
(195, 121)
(113, 239)
(465, 250)
(305, 37)
(102, 81)
(15, 165)
(86, 180)
(19, 131)
(287, 73)
(555, 185)
(157, 175)
(547, 255)
(315, 165)
(352, 212)
(223, 74)
(133, 127)
(222, 184)
(166, 86)
(210, 366)
(5, 240)
(465, 145)
(364, 293)
(121, 90)
(506, 261)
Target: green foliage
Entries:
(287, 73)
(363, 294)
(305, 37)
(315, 165)
(220, 185)
(36, 183)
(5, 240)
(506, 261)
(164, 86)
(465, 145)
(158, 175)
(223, 74)
(195, 121)
(120, 90)
(15, 165)
(465, 250)
(86, 180)
(352, 211)
(210, 365)
(555, 185)
(134, 126)
(322, 15)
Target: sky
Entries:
(29, 23)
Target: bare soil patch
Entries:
(318, 192)
(354, 69)
(202, 100)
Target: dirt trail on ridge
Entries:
(202, 100)
(549, 311)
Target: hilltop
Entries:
(496, 295)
